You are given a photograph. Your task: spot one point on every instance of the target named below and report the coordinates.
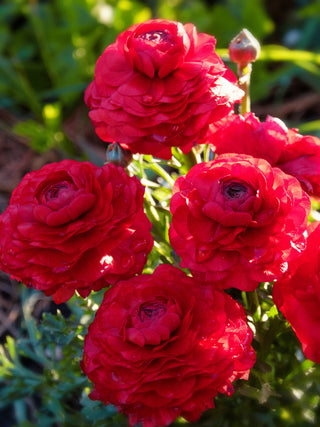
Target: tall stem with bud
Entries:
(243, 50)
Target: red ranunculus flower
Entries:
(284, 148)
(159, 86)
(298, 295)
(74, 226)
(237, 221)
(160, 347)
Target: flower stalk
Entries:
(244, 74)
(243, 50)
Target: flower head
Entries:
(298, 295)
(73, 226)
(271, 140)
(236, 221)
(160, 347)
(160, 85)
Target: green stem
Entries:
(245, 300)
(162, 172)
(267, 339)
(206, 153)
(244, 73)
(254, 305)
(157, 227)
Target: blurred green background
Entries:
(48, 51)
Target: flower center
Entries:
(52, 192)
(156, 36)
(152, 322)
(57, 193)
(234, 190)
(149, 311)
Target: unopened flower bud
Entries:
(118, 155)
(244, 48)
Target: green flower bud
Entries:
(118, 155)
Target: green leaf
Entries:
(281, 53)
(95, 411)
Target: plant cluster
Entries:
(187, 260)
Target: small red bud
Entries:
(244, 48)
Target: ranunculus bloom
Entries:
(236, 221)
(298, 295)
(160, 347)
(74, 226)
(284, 148)
(159, 86)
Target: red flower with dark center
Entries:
(159, 86)
(271, 140)
(236, 221)
(298, 295)
(160, 346)
(73, 226)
